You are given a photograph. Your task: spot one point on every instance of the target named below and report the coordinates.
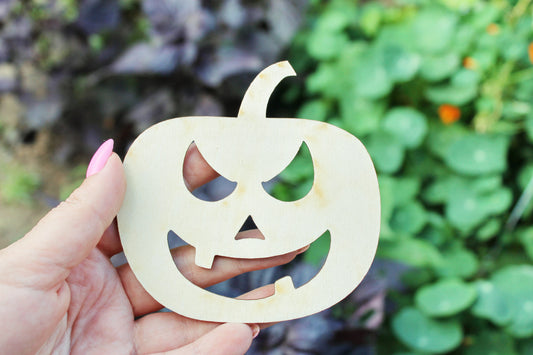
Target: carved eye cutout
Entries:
(296, 179)
(199, 175)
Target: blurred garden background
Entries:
(440, 92)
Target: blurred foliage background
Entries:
(440, 92)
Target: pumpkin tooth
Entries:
(204, 259)
(284, 285)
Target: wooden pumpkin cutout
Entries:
(249, 149)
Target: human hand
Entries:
(59, 292)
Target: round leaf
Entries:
(478, 154)
(491, 303)
(464, 209)
(371, 80)
(400, 64)
(386, 152)
(451, 94)
(361, 116)
(407, 125)
(445, 298)
(409, 218)
(326, 45)
(436, 68)
(434, 29)
(424, 334)
(314, 110)
(414, 252)
(458, 262)
(516, 285)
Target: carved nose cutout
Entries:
(247, 230)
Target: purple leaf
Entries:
(177, 19)
(227, 62)
(144, 58)
(98, 15)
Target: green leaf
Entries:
(324, 80)
(477, 154)
(424, 334)
(458, 262)
(451, 94)
(436, 68)
(400, 64)
(438, 231)
(398, 34)
(485, 58)
(405, 190)
(434, 30)
(461, 5)
(489, 230)
(361, 116)
(462, 88)
(324, 45)
(445, 298)
(313, 110)
(486, 183)
(491, 303)
(386, 152)
(465, 210)
(387, 195)
(516, 284)
(497, 201)
(408, 125)
(506, 300)
(370, 78)
(414, 252)
(333, 20)
(371, 17)
(441, 137)
(409, 218)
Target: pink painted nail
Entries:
(100, 157)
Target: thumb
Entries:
(68, 233)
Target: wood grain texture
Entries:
(249, 149)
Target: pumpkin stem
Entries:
(255, 100)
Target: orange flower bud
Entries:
(449, 113)
(470, 63)
(493, 29)
(530, 52)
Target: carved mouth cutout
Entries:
(286, 278)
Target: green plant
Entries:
(17, 185)
(441, 94)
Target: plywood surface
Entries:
(249, 149)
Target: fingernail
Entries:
(100, 157)
(301, 250)
(255, 330)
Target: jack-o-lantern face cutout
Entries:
(249, 149)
